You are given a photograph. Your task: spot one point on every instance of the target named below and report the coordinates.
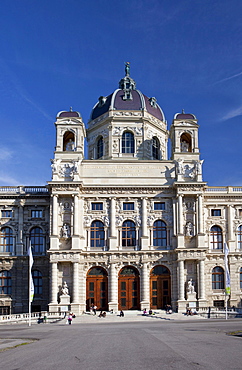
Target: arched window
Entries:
(100, 147)
(155, 148)
(128, 234)
(159, 234)
(185, 142)
(127, 142)
(218, 278)
(37, 240)
(97, 234)
(37, 279)
(5, 282)
(240, 274)
(240, 237)
(6, 244)
(68, 141)
(216, 238)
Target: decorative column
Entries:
(113, 234)
(201, 280)
(180, 215)
(19, 244)
(181, 294)
(55, 215)
(200, 215)
(144, 217)
(54, 287)
(230, 223)
(174, 208)
(145, 291)
(76, 218)
(75, 282)
(113, 288)
(112, 218)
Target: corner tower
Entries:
(127, 125)
(69, 150)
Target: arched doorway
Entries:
(160, 287)
(128, 289)
(97, 288)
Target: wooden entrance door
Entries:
(128, 289)
(97, 288)
(160, 287)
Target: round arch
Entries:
(160, 287)
(129, 288)
(97, 288)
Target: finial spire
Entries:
(183, 112)
(70, 109)
(127, 69)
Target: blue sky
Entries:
(61, 53)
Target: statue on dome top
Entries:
(127, 69)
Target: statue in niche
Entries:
(198, 167)
(190, 287)
(64, 289)
(189, 229)
(70, 145)
(65, 231)
(179, 166)
(184, 146)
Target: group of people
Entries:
(70, 317)
(145, 312)
(168, 309)
(102, 314)
(191, 311)
(93, 309)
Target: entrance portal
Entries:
(97, 289)
(160, 287)
(128, 289)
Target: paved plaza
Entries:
(115, 343)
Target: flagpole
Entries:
(227, 279)
(30, 285)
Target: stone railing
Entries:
(36, 317)
(24, 190)
(224, 189)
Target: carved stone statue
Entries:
(70, 145)
(190, 287)
(64, 289)
(189, 229)
(127, 69)
(184, 146)
(179, 166)
(65, 230)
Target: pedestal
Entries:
(192, 300)
(64, 304)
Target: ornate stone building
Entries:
(126, 228)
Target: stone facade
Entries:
(127, 228)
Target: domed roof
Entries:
(70, 114)
(127, 97)
(184, 115)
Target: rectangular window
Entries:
(219, 303)
(6, 213)
(159, 206)
(240, 212)
(128, 206)
(37, 213)
(216, 212)
(97, 206)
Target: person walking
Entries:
(70, 319)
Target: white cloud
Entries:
(233, 113)
(5, 154)
(228, 78)
(8, 180)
